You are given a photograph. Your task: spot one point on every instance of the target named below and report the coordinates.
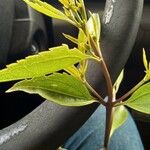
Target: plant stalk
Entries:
(84, 10)
(109, 120)
(123, 98)
(105, 71)
(100, 99)
(109, 104)
(108, 79)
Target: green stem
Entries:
(84, 10)
(101, 100)
(72, 20)
(84, 67)
(78, 17)
(129, 92)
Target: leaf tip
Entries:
(12, 89)
(145, 59)
(9, 90)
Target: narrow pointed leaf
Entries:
(119, 117)
(43, 63)
(46, 9)
(71, 38)
(145, 62)
(146, 65)
(118, 81)
(65, 3)
(73, 71)
(93, 26)
(60, 88)
(82, 38)
(140, 100)
(97, 25)
(82, 41)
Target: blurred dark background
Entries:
(32, 33)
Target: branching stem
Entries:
(123, 98)
(109, 104)
(101, 100)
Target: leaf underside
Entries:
(62, 89)
(119, 118)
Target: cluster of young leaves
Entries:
(74, 10)
(39, 73)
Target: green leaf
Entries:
(140, 100)
(82, 40)
(46, 9)
(65, 3)
(82, 10)
(145, 60)
(146, 65)
(73, 71)
(93, 26)
(119, 117)
(118, 81)
(60, 88)
(43, 63)
(71, 38)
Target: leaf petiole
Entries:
(123, 98)
(100, 99)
